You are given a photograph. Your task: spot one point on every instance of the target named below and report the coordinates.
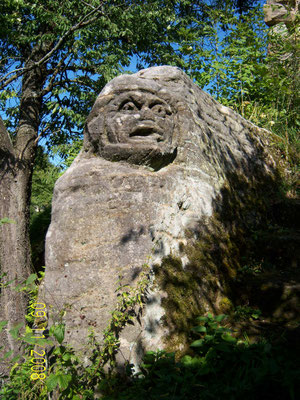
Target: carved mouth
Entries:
(146, 133)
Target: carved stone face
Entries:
(141, 119)
(133, 125)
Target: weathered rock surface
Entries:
(276, 11)
(161, 158)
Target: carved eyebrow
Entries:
(130, 100)
(162, 103)
(157, 101)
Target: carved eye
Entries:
(128, 106)
(159, 109)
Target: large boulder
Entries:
(168, 178)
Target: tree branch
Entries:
(19, 71)
(86, 20)
(55, 73)
(43, 131)
(88, 4)
(74, 28)
(11, 72)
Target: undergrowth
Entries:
(218, 365)
(48, 368)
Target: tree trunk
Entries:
(14, 243)
(16, 166)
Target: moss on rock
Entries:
(216, 251)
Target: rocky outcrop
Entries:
(276, 11)
(167, 177)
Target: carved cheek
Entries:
(166, 125)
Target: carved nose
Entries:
(146, 113)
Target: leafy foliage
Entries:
(246, 312)
(78, 46)
(68, 152)
(44, 177)
(220, 366)
(67, 376)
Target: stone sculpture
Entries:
(161, 157)
(133, 125)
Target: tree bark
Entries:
(16, 166)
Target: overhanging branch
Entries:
(88, 19)
(84, 22)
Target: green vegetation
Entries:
(66, 375)
(250, 354)
(44, 176)
(218, 365)
(226, 53)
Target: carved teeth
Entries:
(145, 133)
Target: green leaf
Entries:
(15, 330)
(220, 317)
(146, 365)
(66, 357)
(186, 360)
(28, 330)
(189, 361)
(58, 331)
(3, 324)
(64, 380)
(59, 350)
(52, 382)
(30, 339)
(228, 338)
(197, 343)
(30, 279)
(199, 329)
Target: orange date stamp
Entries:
(38, 355)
